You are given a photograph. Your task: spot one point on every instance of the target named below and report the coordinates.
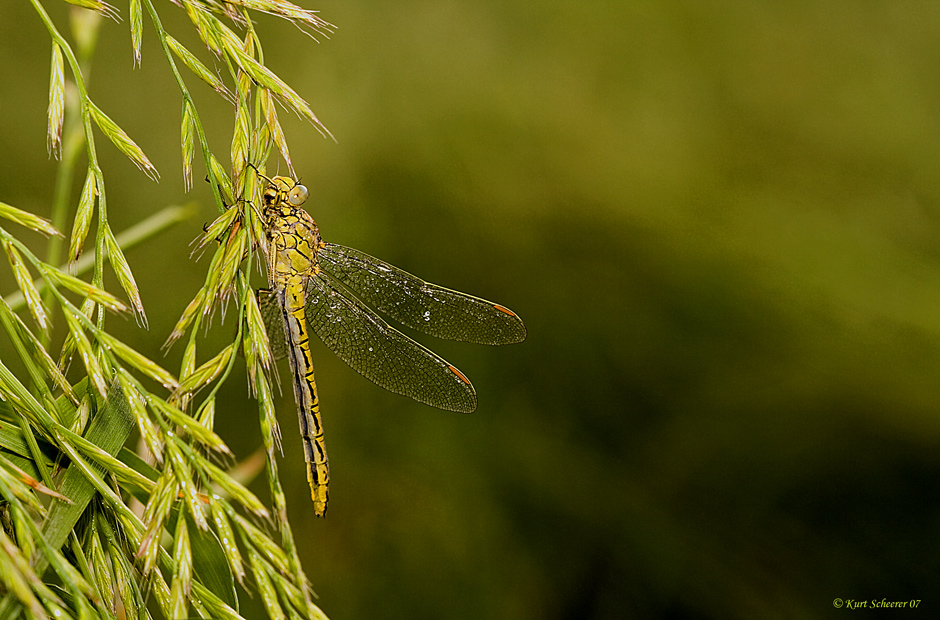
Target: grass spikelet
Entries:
(257, 347)
(221, 177)
(98, 6)
(236, 490)
(197, 67)
(137, 28)
(148, 431)
(208, 372)
(241, 139)
(25, 283)
(266, 589)
(122, 141)
(266, 78)
(182, 581)
(189, 315)
(270, 120)
(85, 351)
(188, 144)
(83, 216)
(138, 361)
(223, 528)
(56, 112)
(156, 513)
(125, 276)
(206, 25)
(302, 18)
(191, 426)
(86, 290)
(29, 220)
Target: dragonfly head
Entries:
(285, 189)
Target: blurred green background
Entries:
(721, 224)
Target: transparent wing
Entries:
(371, 347)
(273, 322)
(426, 307)
(383, 354)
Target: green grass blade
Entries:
(108, 430)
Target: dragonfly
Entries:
(337, 293)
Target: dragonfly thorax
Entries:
(293, 236)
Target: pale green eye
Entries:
(298, 195)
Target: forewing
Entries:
(381, 353)
(426, 307)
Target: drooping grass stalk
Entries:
(67, 442)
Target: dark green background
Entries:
(720, 223)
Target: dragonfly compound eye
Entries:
(298, 195)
